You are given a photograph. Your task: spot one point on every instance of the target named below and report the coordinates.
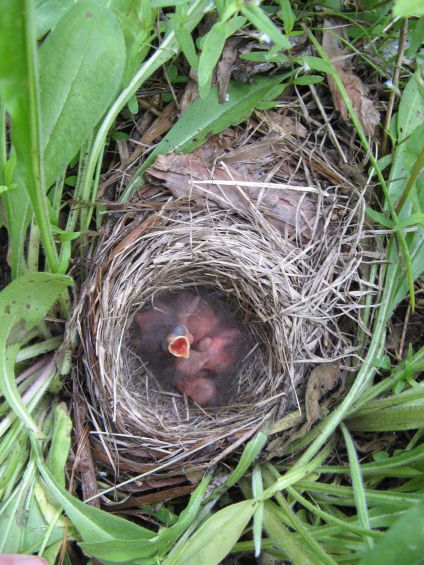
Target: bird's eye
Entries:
(177, 331)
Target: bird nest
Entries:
(293, 289)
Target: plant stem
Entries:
(36, 186)
(395, 81)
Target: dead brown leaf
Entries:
(162, 495)
(225, 66)
(367, 113)
(323, 378)
(161, 125)
(291, 212)
(84, 458)
(283, 124)
(191, 92)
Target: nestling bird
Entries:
(192, 342)
(200, 389)
(217, 353)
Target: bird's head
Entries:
(178, 342)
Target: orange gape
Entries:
(193, 343)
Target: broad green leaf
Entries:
(286, 15)
(23, 305)
(415, 37)
(408, 151)
(93, 525)
(412, 154)
(217, 536)
(48, 13)
(15, 32)
(133, 106)
(408, 416)
(308, 79)
(19, 90)
(410, 116)
(12, 513)
(316, 63)
(407, 8)
(17, 209)
(412, 220)
(116, 551)
(60, 444)
(264, 57)
(185, 41)
(403, 543)
(379, 218)
(78, 80)
(383, 163)
(122, 550)
(36, 528)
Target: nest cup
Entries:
(291, 295)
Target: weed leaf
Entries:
(93, 525)
(78, 79)
(407, 8)
(403, 542)
(48, 13)
(23, 304)
(216, 537)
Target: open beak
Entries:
(179, 346)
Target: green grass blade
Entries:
(357, 484)
(292, 548)
(258, 516)
(408, 416)
(12, 513)
(251, 451)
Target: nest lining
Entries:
(291, 295)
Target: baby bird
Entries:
(191, 342)
(200, 389)
(217, 354)
(159, 330)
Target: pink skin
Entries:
(152, 321)
(152, 317)
(198, 317)
(215, 354)
(199, 389)
(194, 315)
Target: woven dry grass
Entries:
(292, 294)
